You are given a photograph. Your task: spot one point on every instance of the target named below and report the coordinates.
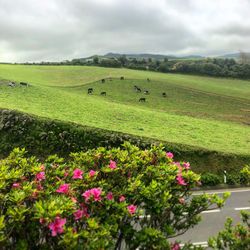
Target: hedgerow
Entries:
(99, 199)
(43, 137)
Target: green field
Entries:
(210, 113)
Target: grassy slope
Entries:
(121, 111)
(78, 75)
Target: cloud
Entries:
(34, 30)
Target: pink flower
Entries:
(110, 196)
(16, 185)
(85, 212)
(92, 173)
(77, 174)
(175, 246)
(87, 195)
(78, 214)
(186, 165)
(94, 192)
(177, 164)
(169, 155)
(66, 173)
(112, 164)
(40, 176)
(182, 200)
(42, 221)
(56, 227)
(122, 198)
(180, 180)
(64, 188)
(74, 199)
(39, 187)
(131, 209)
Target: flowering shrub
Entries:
(100, 199)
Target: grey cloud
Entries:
(61, 29)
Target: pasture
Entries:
(210, 113)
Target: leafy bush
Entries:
(233, 237)
(245, 175)
(209, 179)
(100, 199)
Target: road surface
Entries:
(213, 221)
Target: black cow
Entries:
(142, 99)
(103, 93)
(138, 90)
(164, 94)
(103, 80)
(90, 90)
(122, 78)
(146, 92)
(24, 84)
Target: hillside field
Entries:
(209, 113)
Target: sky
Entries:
(55, 30)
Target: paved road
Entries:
(213, 221)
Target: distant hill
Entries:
(232, 55)
(153, 56)
(141, 56)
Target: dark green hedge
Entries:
(43, 137)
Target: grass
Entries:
(210, 113)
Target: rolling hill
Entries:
(205, 112)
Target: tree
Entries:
(123, 60)
(96, 60)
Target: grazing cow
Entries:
(103, 80)
(164, 94)
(90, 91)
(148, 79)
(142, 99)
(146, 92)
(122, 78)
(24, 84)
(138, 90)
(135, 87)
(11, 84)
(103, 93)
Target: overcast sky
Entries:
(35, 30)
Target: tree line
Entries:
(217, 67)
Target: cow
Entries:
(138, 90)
(122, 78)
(24, 84)
(90, 90)
(103, 81)
(146, 92)
(164, 94)
(142, 99)
(12, 84)
(103, 93)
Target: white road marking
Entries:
(211, 211)
(220, 192)
(201, 243)
(242, 208)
